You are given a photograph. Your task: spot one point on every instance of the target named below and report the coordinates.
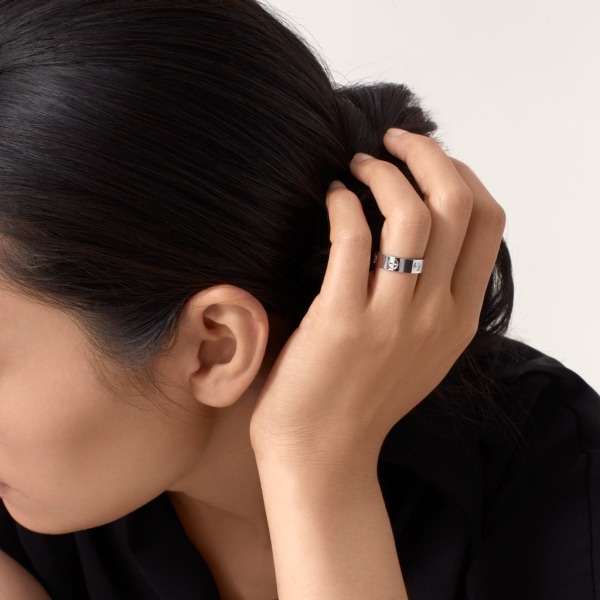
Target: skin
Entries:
(342, 382)
(16, 582)
(274, 461)
(67, 443)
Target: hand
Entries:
(374, 344)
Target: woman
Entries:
(202, 358)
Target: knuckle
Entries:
(462, 167)
(457, 198)
(357, 237)
(466, 327)
(430, 322)
(492, 219)
(470, 329)
(439, 321)
(345, 331)
(417, 219)
(496, 216)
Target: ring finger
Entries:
(407, 220)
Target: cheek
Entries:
(73, 456)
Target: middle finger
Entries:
(448, 197)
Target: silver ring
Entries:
(397, 264)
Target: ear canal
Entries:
(218, 351)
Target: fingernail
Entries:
(395, 132)
(336, 185)
(361, 157)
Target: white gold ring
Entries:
(397, 264)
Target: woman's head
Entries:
(152, 151)
(149, 149)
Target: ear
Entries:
(220, 345)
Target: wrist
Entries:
(309, 475)
(330, 532)
(321, 448)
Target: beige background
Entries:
(515, 88)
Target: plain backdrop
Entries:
(515, 90)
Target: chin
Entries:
(48, 523)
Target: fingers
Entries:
(447, 196)
(481, 244)
(407, 220)
(458, 229)
(347, 273)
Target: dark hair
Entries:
(153, 148)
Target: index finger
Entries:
(347, 271)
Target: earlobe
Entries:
(223, 333)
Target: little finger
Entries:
(482, 241)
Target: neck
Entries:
(220, 506)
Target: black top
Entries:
(493, 513)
